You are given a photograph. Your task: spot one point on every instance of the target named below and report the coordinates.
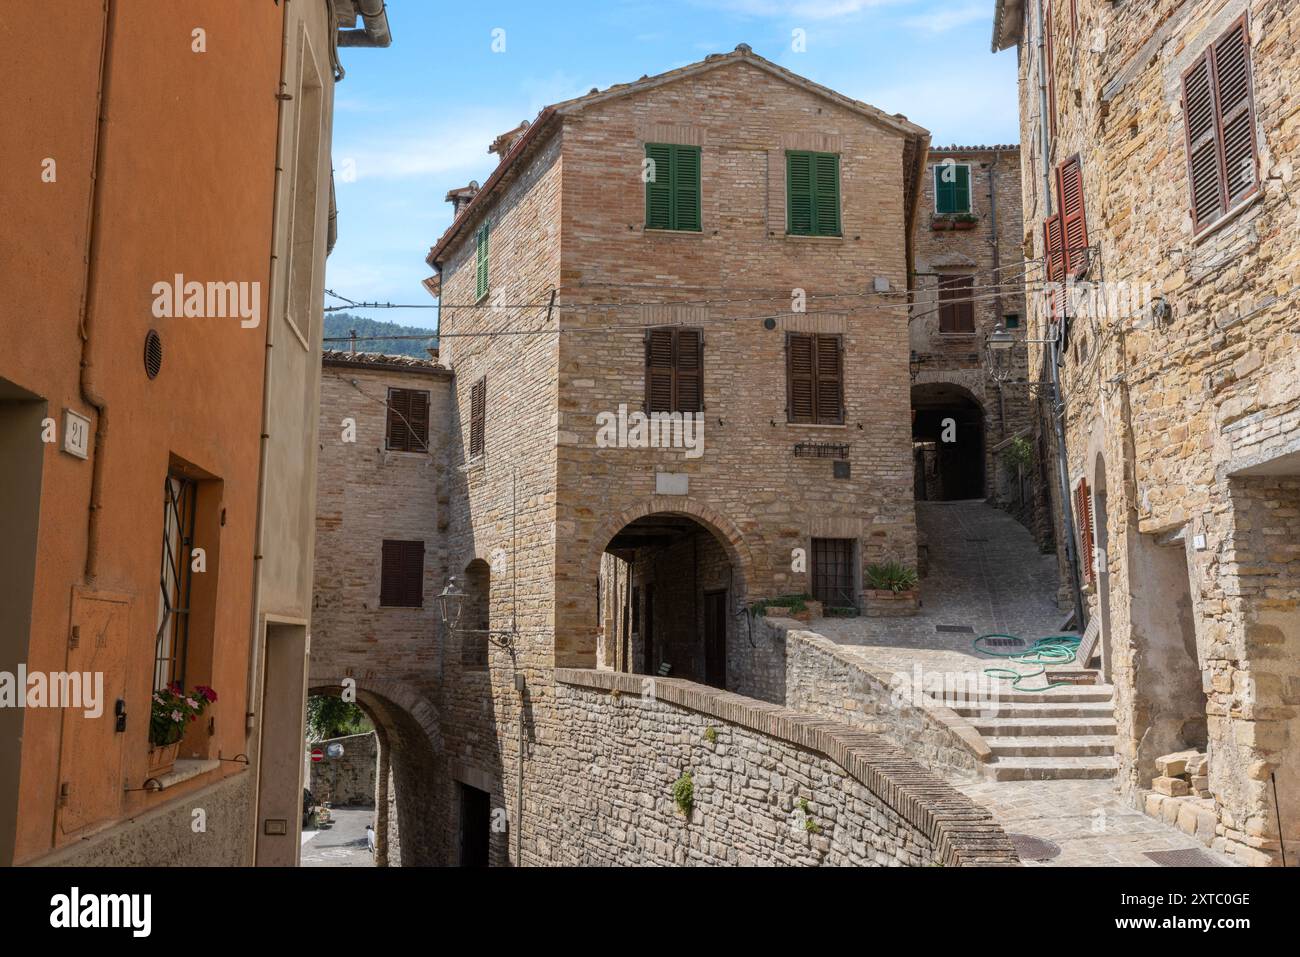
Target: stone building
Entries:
(968, 278)
(1160, 143)
(175, 545)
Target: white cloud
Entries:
(948, 18)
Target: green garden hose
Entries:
(1053, 650)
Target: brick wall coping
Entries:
(961, 728)
(963, 833)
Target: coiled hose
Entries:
(1052, 650)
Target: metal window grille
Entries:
(171, 642)
(832, 572)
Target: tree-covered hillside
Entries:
(343, 323)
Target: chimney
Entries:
(460, 198)
(502, 144)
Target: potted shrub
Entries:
(954, 221)
(891, 589)
(173, 709)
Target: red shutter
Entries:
(689, 369)
(1235, 110)
(659, 370)
(1074, 225)
(800, 402)
(1202, 143)
(1083, 518)
(830, 380)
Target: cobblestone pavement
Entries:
(343, 843)
(985, 572)
(1086, 819)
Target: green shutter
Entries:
(481, 262)
(952, 196)
(812, 182)
(672, 198)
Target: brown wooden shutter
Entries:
(1083, 516)
(419, 419)
(1050, 67)
(401, 576)
(1053, 247)
(399, 435)
(1236, 114)
(830, 380)
(801, 405)
(956, 308)
(1074, 225)
(477, 417)
(659, 370)
(1202, 142)
(689, 369)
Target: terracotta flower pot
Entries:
(162, 758)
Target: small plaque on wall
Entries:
(76, 434)
(672, 483)
(841, 469)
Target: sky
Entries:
(415, 119)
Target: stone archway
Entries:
(948, 442)
(412, 785)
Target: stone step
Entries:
(1051, 769)
(1101, 710)
(1073, 695)
(1003, 727)
(1034, 746)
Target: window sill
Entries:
(186, 769)
(806, 238)
(1228, 218)
(816, 425)
(652, 231)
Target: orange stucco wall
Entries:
(185, 185)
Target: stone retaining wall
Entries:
(349, 779)
(771, 786)
(804, 670)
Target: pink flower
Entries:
(177, 717)
(192, 703)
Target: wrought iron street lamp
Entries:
(450, 601)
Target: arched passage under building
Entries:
(667, 592)
(412, 786)
(947, 443)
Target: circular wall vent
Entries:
(152, 354)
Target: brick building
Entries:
(1160, 142)
(969, 279)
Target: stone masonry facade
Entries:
(1181, 415)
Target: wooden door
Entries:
(715, 638)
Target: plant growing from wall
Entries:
(891, 576)
(809, 825)
(711, 735)
(684, 794)
(1019, 454)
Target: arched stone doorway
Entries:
(412, 786)
(668, 587)
(948, 447)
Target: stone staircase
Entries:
(1065, 733)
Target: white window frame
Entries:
(970, 189)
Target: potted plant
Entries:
(891, 589)
(954, 221)
(173, 709)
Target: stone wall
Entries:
(349, 780)
(800, 669)
(770, 786)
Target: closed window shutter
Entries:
(1202, 142)
(799, 193)
(690, 370)
(419, 418)
(686, 187)
(1074, 225)
(1236, 117)
(659, 370)
(390, 574)
(1052, 247)
(826, 193)
(399, 435)
(658, 192)
(830, 380)
(956, 310)
(401, 582)
(800, 377)
(477, 417)
(413, 575)
(481, 263)
(952, 196)
(1083, 516)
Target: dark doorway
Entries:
(833, 577)
(947, 443)
(648, 638)
(715, 638)
(475, 826)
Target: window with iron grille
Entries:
(814, 367)
(956, 305)
(833, 572)
(171, 642)
(1219, 117)
(408, 420)
(401, 583)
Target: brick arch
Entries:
(722, 528)
(948, 380)
(382, 696)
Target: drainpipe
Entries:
(89, 390)
(374, 16)
(1045, 133)
(997, 279)
(1063, 480)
